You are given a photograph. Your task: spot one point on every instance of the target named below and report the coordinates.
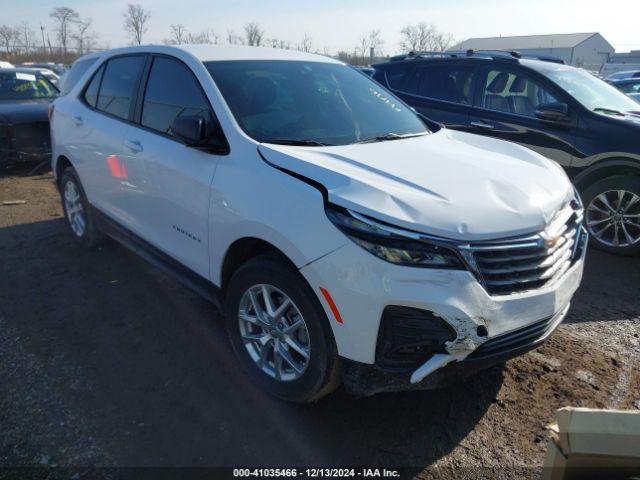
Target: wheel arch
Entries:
(606, 168)
(60, 164)
(243, 250)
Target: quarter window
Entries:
(172, 91)
(91, 93)
(514, 93)
(119, 84)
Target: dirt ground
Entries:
(104, 361)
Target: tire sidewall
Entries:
(619, 182)
(271, 271)
(88, 238)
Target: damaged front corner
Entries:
(466, 341)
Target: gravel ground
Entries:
(104, 361)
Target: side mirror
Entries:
(553, 112)
(195, 130)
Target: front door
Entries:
(505, 107)
(169, 183)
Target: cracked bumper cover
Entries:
(368, 285)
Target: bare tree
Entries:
(376, 42)
(306, 44)
(178, 34)
(253, 34)
(278, 43)
(424, 37)
(25, 33)
(64, 17)
(83, 36)
(206, 36)
(135, 21)
(233, 39)
(8, 35)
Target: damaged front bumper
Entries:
(443, 368)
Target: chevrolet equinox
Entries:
(345, 237)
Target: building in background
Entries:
(587, 50)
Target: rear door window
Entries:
(514, 92)
(119, 84)
(451, 83)
(172, 91)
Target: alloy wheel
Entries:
(274, 332)
(75, 210)
(613, 218)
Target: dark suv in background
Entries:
(562, 112)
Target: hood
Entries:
(450, 184)
(24, 111)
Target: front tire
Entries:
(279, 331)
(77, 210)
(612, 214)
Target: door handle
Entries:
(77, 119)
(133, 145)
(483, 125)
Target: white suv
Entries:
(345, 237)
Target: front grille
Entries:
(521, 339)
(520, 264)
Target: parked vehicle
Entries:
(5, 64)
(48, 74)
(25, 96)
(623, 75)
(57, 68)
(562, 112)
(336, 227)
(630, 87)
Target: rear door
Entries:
(168, 183)
(441, 91)
(97, 129)
(505, 107)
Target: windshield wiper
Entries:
(391, 136)
(302, 143)
(609, 111)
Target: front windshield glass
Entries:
(25, 86)
(592, 92)
(310, 103)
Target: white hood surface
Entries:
(449, 184)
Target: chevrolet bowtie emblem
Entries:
(552, 241)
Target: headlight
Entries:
(393, 244)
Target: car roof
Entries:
(20, 69)
(210, 53)
(539, 65)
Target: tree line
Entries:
(70, 35)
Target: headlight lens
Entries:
(389, 244)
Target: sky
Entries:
(337, 25)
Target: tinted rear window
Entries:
(118, 85)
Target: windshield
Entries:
(311, 103)
(25, 86)
(592, 92)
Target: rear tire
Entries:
(77, 210)
(299, 328)
(611, 217)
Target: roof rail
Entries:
(507, 55)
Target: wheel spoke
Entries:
(277, 362)
(598, 222)
(289, 359)
(257, 308)
(627, 236)
(261, 338)
(281, 309)
(593, 206)
(297, 347)
(616, 240)
(605, 201)
(268, 301)
(602, 230)
(244, 316)
(264, 353)
(293, 327)
(621, 194)
(631, 203)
